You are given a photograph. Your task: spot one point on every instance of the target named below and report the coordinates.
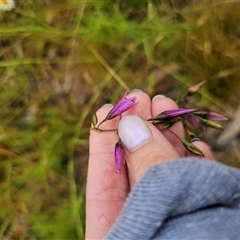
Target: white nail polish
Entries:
(157, 97)
(136, 90)
(133, 132)
(107, 105)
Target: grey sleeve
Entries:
(187, 198)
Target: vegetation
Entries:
(61, 60)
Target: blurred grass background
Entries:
(60, 60)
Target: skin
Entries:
(106, 190)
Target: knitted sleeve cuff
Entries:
(177, 189)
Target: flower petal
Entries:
(119, 156)
(122, 106)
(193, 120)
(173, 113)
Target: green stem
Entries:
(97, 129)
(175, 135)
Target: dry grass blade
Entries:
(108, 68)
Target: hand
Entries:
(144, 147)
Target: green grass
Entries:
(61, 60)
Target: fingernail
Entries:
(157, 97)
(107, 105)
(133, 132)
(195, 139)
(136, 90)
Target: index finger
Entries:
(106, 190)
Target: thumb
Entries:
(145, 146)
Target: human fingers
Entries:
(145, 146)
(160, 104)
(106, 191)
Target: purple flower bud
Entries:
(216, 117)
(202, 123)
(173, 113)
(119, 156)
(193, 120)
(211, 115)
(178, 112)
(122, 106)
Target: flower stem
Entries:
(97, 129)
